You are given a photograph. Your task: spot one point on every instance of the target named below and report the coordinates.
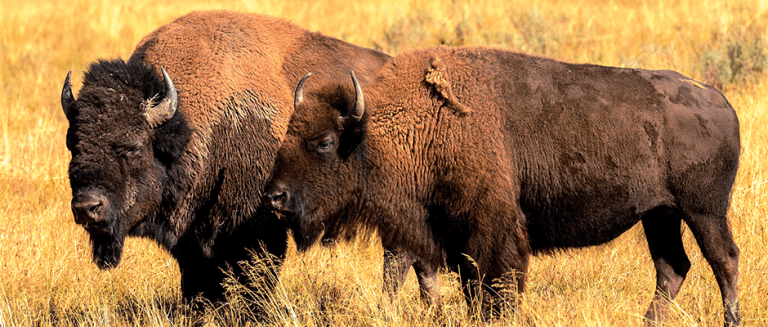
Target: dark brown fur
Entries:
(477, 158)
(193, 183)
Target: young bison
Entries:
(474, 159)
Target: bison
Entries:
(473, 159)
(181, 156)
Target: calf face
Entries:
(316, 174)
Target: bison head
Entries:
(315, 176)
(123, 135)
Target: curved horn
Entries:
(159, 114)
(299, 95)
(67, 99)
(355, 114)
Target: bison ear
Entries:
(67, 99)
(438, 78)
(160, 113)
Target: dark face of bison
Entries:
(316, 173)
(119, 140)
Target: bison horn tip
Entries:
(299, 94)
(67, 98)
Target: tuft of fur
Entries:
(437, 76)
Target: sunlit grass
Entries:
(46, 274)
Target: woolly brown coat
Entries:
(193, 182)
(475, 156)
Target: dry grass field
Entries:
(46, 274)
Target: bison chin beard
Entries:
(307, 230)
(108, 248)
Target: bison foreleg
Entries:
(428, 285)
(396, 266)
(662, 230)
(397, 263)
(201, 280)
(494, 273)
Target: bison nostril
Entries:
(276, 200)
(95, 209)
(88, 212)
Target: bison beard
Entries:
(307, 230)
(107, 248)
(307, 226)
(474, 159)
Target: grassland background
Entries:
(46, 277)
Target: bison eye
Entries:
(133, 152)
(323, 145)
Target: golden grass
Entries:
(46, 277)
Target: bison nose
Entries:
(88, 208)
(276, 198)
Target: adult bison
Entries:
(181, 157)
(477, 158)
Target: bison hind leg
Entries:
(713, 236)
(664, 235)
